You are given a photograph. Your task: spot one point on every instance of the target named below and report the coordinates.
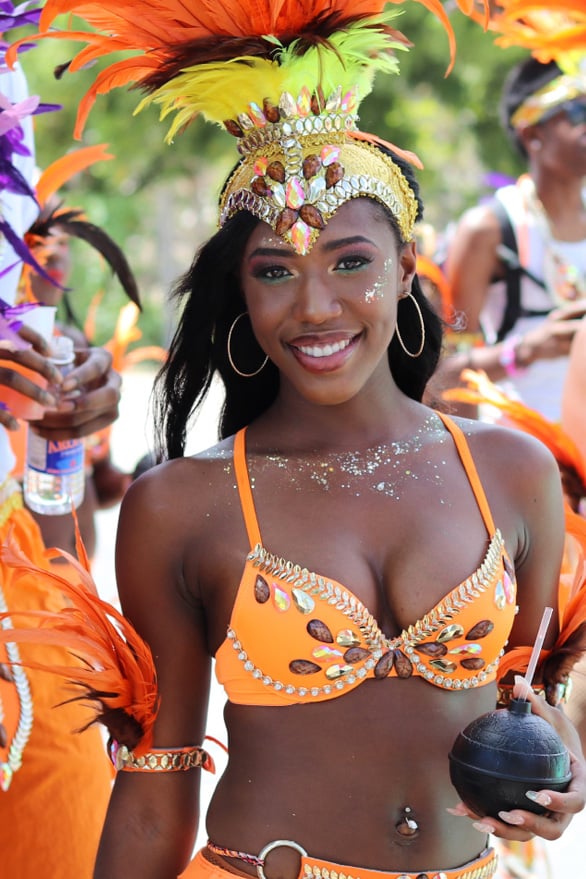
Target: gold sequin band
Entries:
(483, 867)
(300, 164)
(558, 91)
(160, 759)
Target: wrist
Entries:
(512, 356)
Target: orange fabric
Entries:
(201, 868)
(297, 636)
(53, 811)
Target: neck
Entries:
(368, 419)
(561, 197)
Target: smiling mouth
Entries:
(323, 350)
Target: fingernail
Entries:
(71, 395)
(538, 797)
(511, 818)
(456, 811)
(48, 399)
(69, 384)
(483, 828)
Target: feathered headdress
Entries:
(285, 77)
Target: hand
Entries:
(89, 399)
(552, 338)
(521, 825)
(33, 358)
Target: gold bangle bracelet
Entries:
(161, 759)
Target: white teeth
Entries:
(325, 351)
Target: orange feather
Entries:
(117, 675)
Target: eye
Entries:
(353, 263)
(271, 273)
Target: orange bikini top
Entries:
(296, 636)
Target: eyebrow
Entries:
(330, 245)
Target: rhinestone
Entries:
(278, 686)
(303, 691)
(347, 638)
(245, 122)
(290, 690)
(466, 648)
(336, 671)
(509, 587)
(300, 235)
(256, 114)
(281, 599)
(303, 602)
(287, 105)
(304, 101)
(326, 653)
(499, 595)
(450, 632)
(257, 673)
(333, 102)
(316, 189)
(267, 681)
(438, 679)
(294, 193)
(248, 666)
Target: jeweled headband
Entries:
(285, 76)
(561, 89)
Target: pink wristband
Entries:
(508, 356)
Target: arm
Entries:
(574, 394)
(528, 484)
(151, 823)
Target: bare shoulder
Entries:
(479, 223)
(173, 495)
(515, 462)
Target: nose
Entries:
(316, 301)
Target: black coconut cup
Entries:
(501, 755)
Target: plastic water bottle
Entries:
(54, 475)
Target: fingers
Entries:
(94, 367)
(37, 341)
(10, 378)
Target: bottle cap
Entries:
(62, 349)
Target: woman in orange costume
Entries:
(54, 787)
(353, 561)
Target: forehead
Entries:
(362, 217)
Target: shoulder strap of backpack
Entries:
(508, 253)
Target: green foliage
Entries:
(158, 201)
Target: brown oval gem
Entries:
(403, 665)
(271, 111)
(432, 648)
(276, 171)
(310, 215)
(320, 631)
(233, 128)
(259, 187)
(334, 174)
(474, 663)
(285, 220)
(356, 654)
(262, 592)
(480, 630)
(3, 736)
(5, 673)
(303, 667)
(384, 665)
(311, 166)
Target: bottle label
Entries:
(56, 457)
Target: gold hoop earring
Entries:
(422, 324)
(232, 364)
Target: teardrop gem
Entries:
(320, 631)
(449, 633)
(294, 193)
(480, 630)
(303, 667)
(432, 648)
(443, 665)
(257, 115)
(500, 598)
(329, 154)
(336, 671)
(333, 102)
(384, 665)
(280, 598)
(466, 648)
(5, 776)
(304, 102)
(356, 654)
(349, 102)
(279, 196)
(509, 587)
(287, 104)
(347, 638)
(325, 652)
(316, 188)
(475, 663)
(403, 665)
(262, 592)
(303, 602)
(300, 235)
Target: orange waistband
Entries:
(483, 867)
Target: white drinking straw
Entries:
(528, 678)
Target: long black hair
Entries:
(211, 298)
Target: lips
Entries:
(323, 354)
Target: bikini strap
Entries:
(471, 471)
(244, 489)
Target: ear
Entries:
(530, 137)
(407, 267)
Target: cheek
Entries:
(380, 286)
